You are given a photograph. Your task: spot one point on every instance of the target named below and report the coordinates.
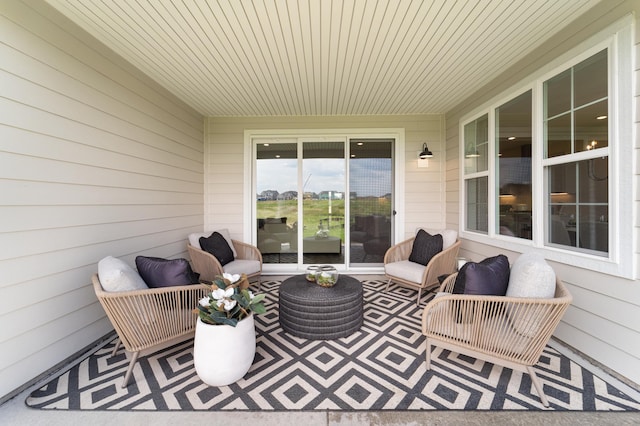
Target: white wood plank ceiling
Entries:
(322, 57)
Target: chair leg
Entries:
(118, 342)
(418, 298)
(388, 284)
(538, 385)
(127, 376)
(428, 353)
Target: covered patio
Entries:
(125, 127)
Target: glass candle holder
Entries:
(311, 273)
(327, 276)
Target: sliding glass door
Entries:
(276, 179)
(323, 201)
(370, 200)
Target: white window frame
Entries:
(618, 39)
(251, 137)
(478, 174)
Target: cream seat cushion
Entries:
(242, 266)
(405, 269)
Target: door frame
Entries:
(374, 133)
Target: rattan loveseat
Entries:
(149, 317)
(509, 331)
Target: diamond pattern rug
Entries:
(380, 367)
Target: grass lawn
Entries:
(317, 211)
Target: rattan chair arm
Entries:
(441, 264)
(247, 251)
(398, 252)
(204, 263)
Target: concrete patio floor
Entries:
(15, 412)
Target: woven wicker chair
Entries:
(206, 264)
(146, 318)
(508, 331)
(399, 269)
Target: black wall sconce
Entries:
(425, 154)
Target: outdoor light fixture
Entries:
(425, 154)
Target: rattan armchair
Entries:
(248, 261)
(146, 318)
(509, 331)
(399, 269)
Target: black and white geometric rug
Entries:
(380, 367)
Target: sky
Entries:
(326, 175)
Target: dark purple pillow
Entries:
(158, 272)
(488, 277)
(217, 245)
(425, 246)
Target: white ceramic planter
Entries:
(223, 354)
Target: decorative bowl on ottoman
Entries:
(327, 276)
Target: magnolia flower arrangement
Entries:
(227, 303)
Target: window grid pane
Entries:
(476, 145)
(477, 204)
(578, 191)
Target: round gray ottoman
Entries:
(310, 311)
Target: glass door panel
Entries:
(370, 200)
(323, 205)
(323, 201)
(277, 201)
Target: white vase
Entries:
(223, 354)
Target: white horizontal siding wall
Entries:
(225, 173)
(95, 160)
(603, 319)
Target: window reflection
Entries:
(476, 145)
(578, 204)
(276, 201)
(513, 141)
(578, 191)
(477, 204)
(571, 125)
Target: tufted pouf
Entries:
(321, 313)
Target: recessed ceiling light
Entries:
(360, 143)
(277, 155)
(353, 155)
(265, 144)
(601, 117)
(511, 138)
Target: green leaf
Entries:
(259, 308)
(258, 298)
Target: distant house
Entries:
(288, 195)
(269, 195)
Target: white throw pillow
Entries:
(194, 239)
(117, 275)
(531, 276)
